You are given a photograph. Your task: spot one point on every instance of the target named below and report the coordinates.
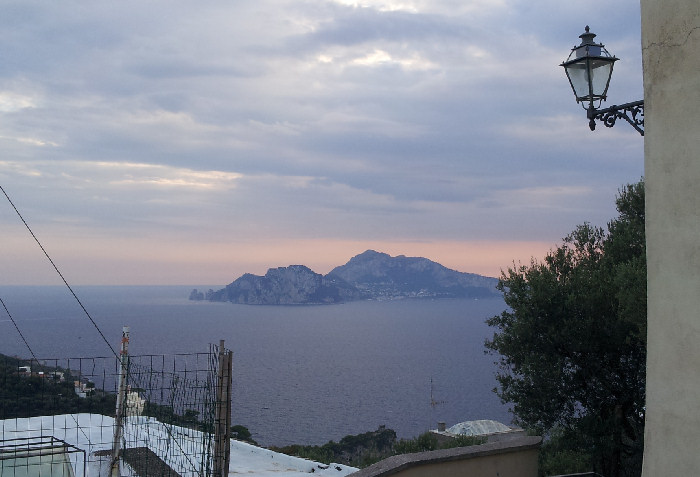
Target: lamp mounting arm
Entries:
(632, 112)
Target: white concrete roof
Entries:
(94, 432)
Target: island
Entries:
(370, 275)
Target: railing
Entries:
(173, 406)
(41, 455)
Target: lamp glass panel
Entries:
(578, 76)
(600, 76)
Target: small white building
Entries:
(134, 404)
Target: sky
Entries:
(186, 143)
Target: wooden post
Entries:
(228, 378)
(222, 419)
(121, 400)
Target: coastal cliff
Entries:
(296, 284)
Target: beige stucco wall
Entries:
(521, 464)
(516, 457)
(671, 60)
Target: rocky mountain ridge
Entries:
(369, 275)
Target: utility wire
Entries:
(59, 274)
(18, 331)
(168, 428)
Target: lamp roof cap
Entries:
(587, 37)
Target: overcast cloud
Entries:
(181, 142)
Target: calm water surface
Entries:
(302, 374)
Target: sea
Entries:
(301, 374)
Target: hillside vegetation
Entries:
(365, 449)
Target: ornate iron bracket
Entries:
(633, 113)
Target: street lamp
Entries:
(589, 68)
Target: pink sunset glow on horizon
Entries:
(220, 264)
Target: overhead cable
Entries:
(59, 273)
(18, 331)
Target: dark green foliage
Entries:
(463, 441)
(42, 392)
(429, 442)
(572, 345)
(424, 442)
(559, 454)
(357, 450)
(366, 449)
(242, 434)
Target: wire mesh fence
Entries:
(55, 412)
